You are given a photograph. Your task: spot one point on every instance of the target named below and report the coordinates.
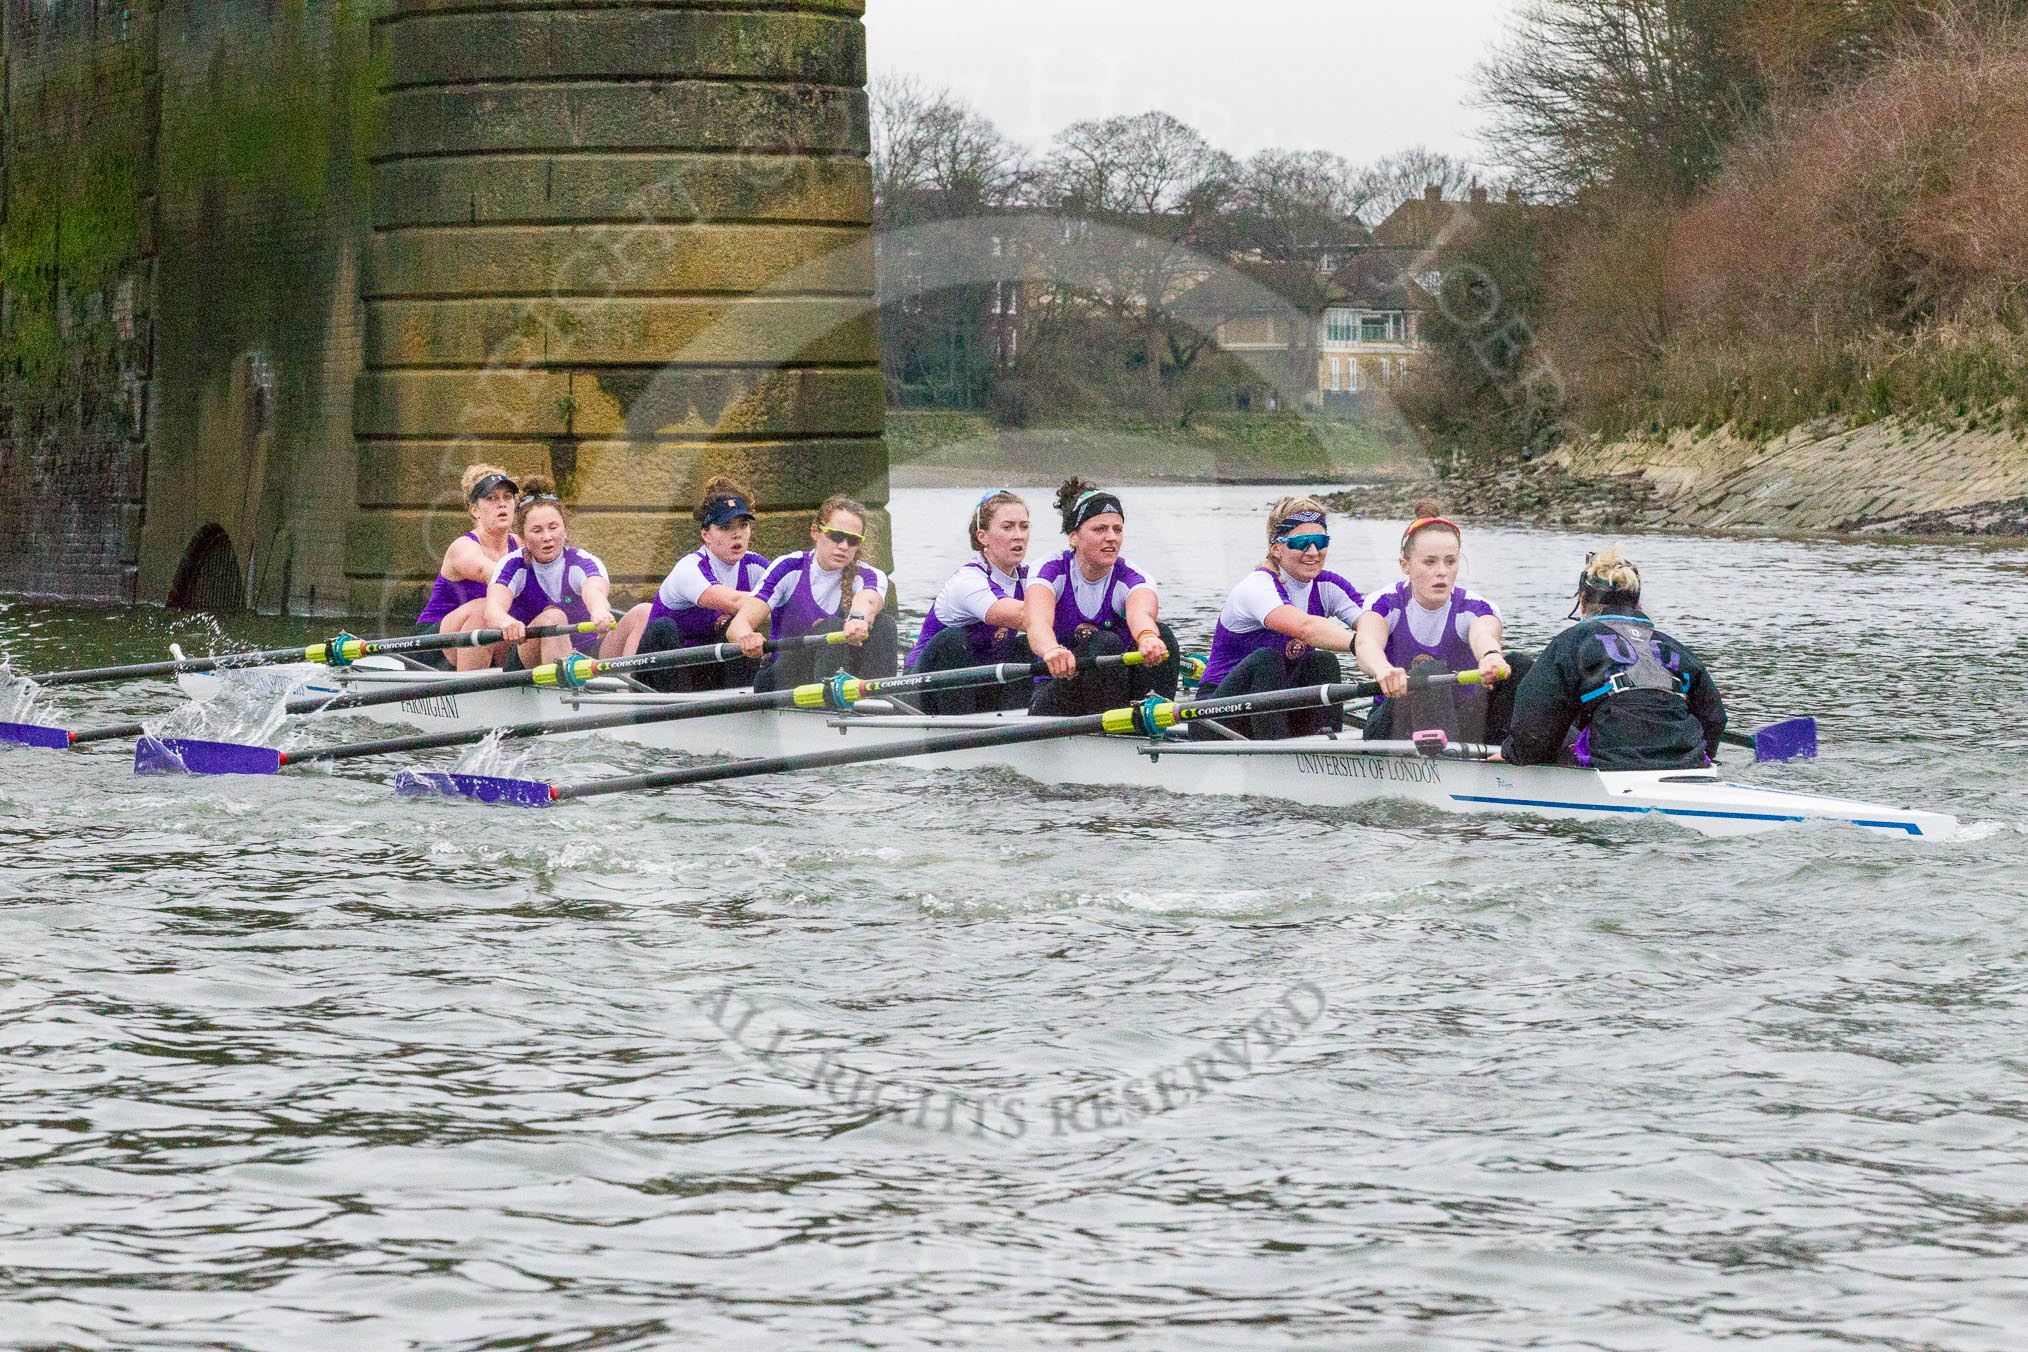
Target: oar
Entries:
(1795, 739)
(340, 651)
(176, 755)
(573, 672)
(1147, 719)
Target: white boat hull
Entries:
(1320, 771)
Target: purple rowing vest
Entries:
(1072, 625)
(448, 594)
(800, 613)
(985, 640)
(1455, 652)
(702, 624)
(530, 599)
(1228, 649)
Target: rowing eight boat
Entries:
(1330, 772)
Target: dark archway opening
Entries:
(208, 578)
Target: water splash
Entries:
(493, 757)
(17, 696)
(247, 706)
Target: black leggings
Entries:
(877, 657)
(1094, 690)
(951, 650)
(433, 658)
(1484, 718)
(1267, 670)
(662, 636)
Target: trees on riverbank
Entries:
(1114, 223)
(1772, 211)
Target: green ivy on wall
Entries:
(72, 229)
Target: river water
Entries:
(894, 1060)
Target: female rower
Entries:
(1088, 602)
(820, 590)
(1427, 619)
(1612, 691)
(980, 614)
(696, 602)
(550, 581)
(458, 600)
(1284, 625)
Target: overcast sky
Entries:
(1356, 76)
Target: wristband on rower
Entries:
(1147, 634)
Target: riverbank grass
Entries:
(936, 446)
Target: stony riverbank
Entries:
(1888, 477)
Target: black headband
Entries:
(1095, 503)
(489, 484)
(1287, 525)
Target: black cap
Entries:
(723, 511)
(490, 484)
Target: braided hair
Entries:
(848, 580)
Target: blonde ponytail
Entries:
(1610, 570)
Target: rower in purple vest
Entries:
(695, 604)
(820, 590)
(549, 581)
(1089, 602)
(1427, 621)
(1284, 626)
(980, 615)
(458, 599)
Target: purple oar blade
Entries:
(485, 788)
(1793, 740)
(183, 756)
(35, 734)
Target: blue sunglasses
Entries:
(1304, 543)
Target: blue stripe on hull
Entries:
(1909, 827)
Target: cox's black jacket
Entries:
(1629, 728)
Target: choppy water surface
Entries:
(894, 1060)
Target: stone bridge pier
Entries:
(274, 275)
(626, 245)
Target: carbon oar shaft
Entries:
(550, 673)
(806, 696)
(1131, 719)
(345, 648)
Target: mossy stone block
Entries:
(615, 332)
(786, 476)
(401, 12)
(623, 189)
(636, 404)
(473, 47)
(609, 260)
(691, 115)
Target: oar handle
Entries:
(841, 692)
(343, 652)
(575, 672)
